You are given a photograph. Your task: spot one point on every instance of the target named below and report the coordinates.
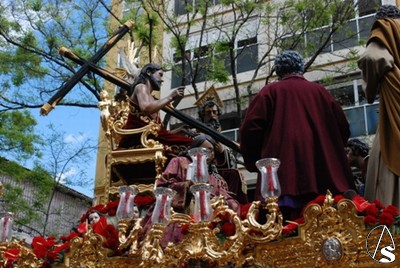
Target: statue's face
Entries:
(156, 80)
(210, 113)
(208, 145)
(93, 218)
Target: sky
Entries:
(76, 123)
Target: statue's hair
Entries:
(387, 11)
(144, 75)
(358, 147)
(289, 62)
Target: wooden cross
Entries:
(116, 36)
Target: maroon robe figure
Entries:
(301, 124)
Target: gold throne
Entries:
(141, 165)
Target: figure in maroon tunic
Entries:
(145, 108)
(300, 123)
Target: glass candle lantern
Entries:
(202, 210)
(6, 223)
(125, 208)
(269, 177)
(162, 209)
(199, 164)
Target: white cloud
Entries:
(63, 178)
(73, 138)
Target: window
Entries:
(362, 117)
(182, 6)
(348, 94)
(247, 59)
(352, 33)
(247, 55)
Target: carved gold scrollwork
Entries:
(87, 251)
(268, 231)
(152, 253)
(26, 257)
(332, 233)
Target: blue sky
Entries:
(76, 123)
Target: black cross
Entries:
(85, 68)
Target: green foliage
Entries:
(10, 168)
(222, 46)
(14, 196)
(218, 71)
(17, 135)
(31, 32)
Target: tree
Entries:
(31, 196)
(17, 136)
(32, 71)
(209, 38)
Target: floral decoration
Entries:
(12, 257)
(143, 202)
(374, 214)
(223, 226)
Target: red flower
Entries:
(293, 225)
(41, 246)
(224, 217)
(82, 228)
(378, 203)
(185, 228)
(212, 225)
(386, 219)
(69, 237)
(392, 210)
(228, 228)
(144, 200)
(319, 200)
(372, 210)
(360, 202)
(61, 247)
(244, 209)
(370, 220)
(108, 231)
(12, 254)
(111, 208)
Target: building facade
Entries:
(202, 39)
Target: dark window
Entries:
(344, 95)
(201, 74)
(315, 40)
(294, 42)
(365, 25)
(346, 36)
(247, 55)
(177, 76)
(201, 52)
(180, 7)
(361, 95)
(177, 57)
(224, 56)
(366, 7)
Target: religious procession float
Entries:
(333, 231)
